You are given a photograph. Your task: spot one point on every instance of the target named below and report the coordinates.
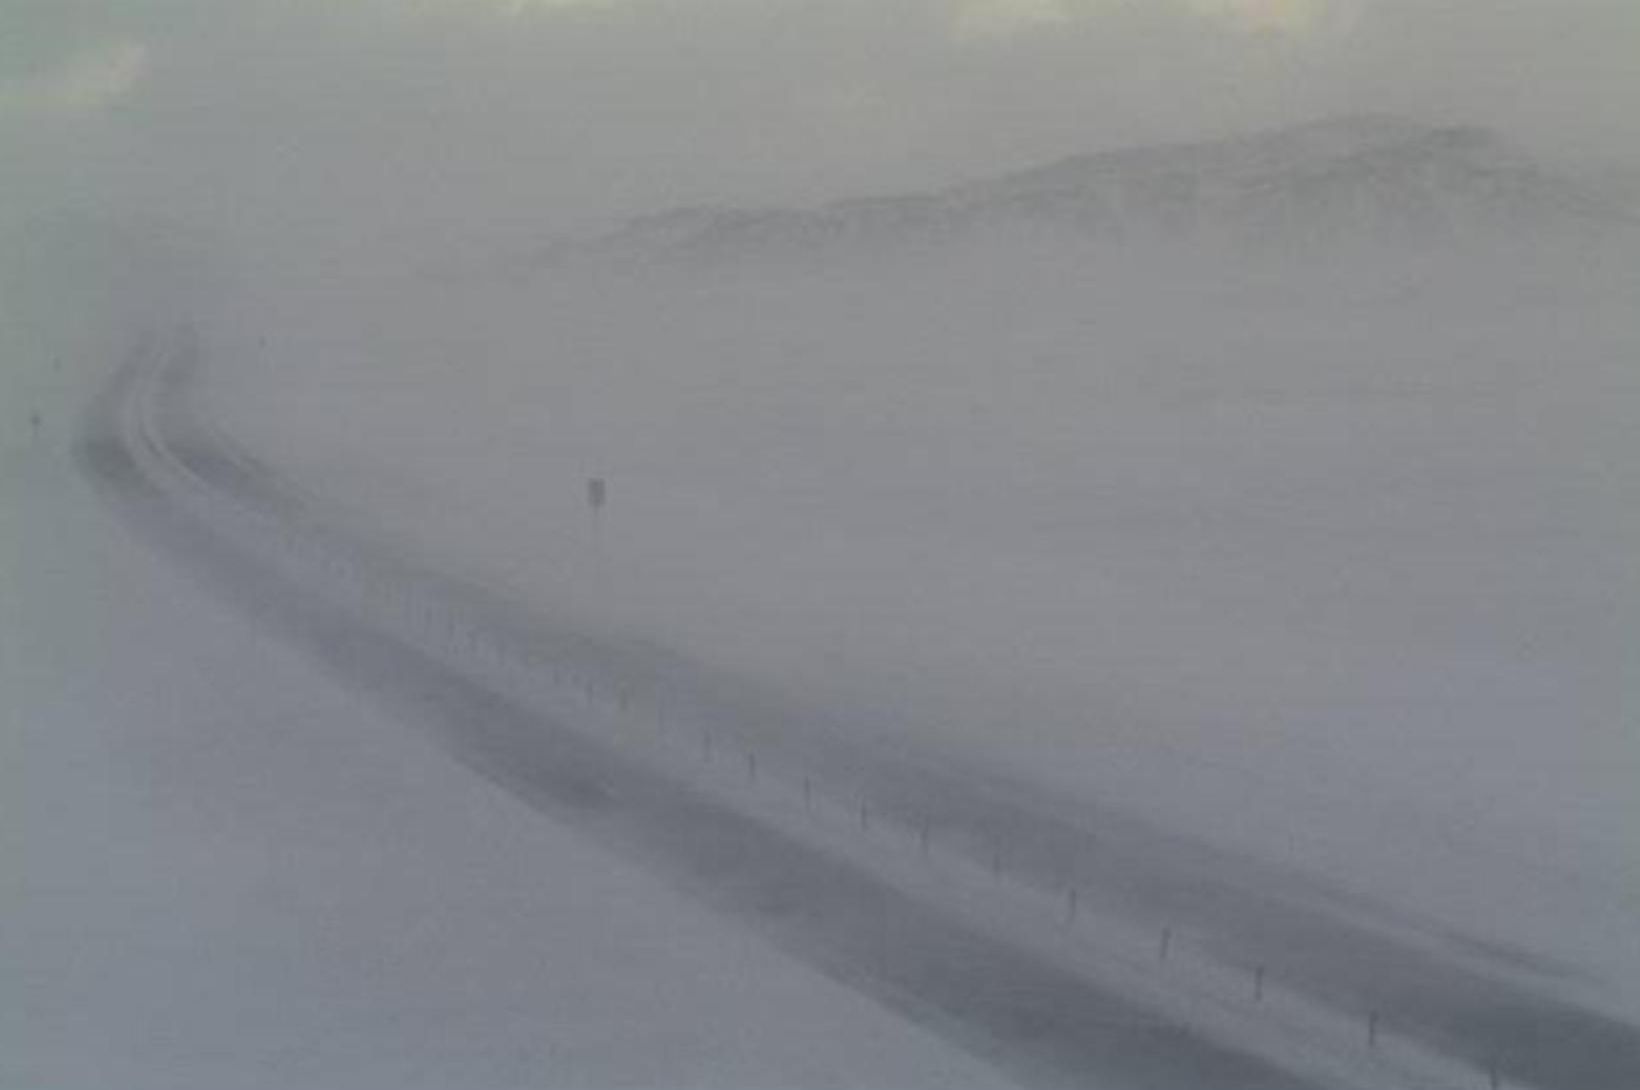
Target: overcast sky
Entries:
(496, 116)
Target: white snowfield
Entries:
(1029, 634)
(220, 868)
(1065, 944)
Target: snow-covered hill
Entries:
(1356, 179)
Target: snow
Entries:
(1323, 562)
(1308, 573)
(221, 869)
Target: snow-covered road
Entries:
(1027, 935)
(218, 868)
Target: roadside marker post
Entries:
(597, 500)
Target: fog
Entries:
(1113, 562)
(486, 119)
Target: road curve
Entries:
(230, 520)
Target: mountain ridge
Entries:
(1365, 177)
